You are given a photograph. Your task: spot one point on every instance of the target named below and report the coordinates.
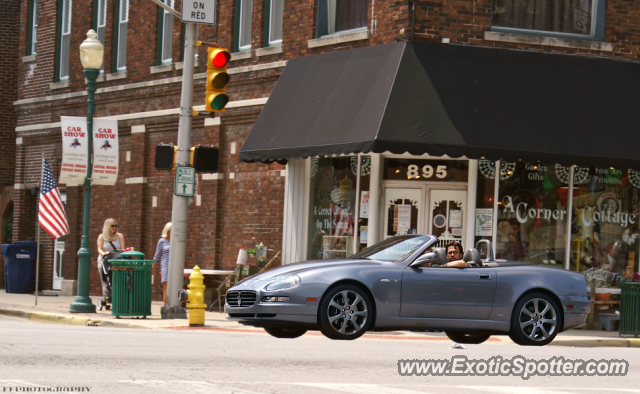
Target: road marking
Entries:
(17, 383)
(191, 385)
(361, 388)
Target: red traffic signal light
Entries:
(217, 79)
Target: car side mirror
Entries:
(425, 258)
(438, 256)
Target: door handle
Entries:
(484, 276)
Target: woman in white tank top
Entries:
(109, 239)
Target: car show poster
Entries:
(484, 222)
(75, 141)
(105, 152)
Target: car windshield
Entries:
(393, 249)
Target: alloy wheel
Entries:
(347, 312)
(538, 320)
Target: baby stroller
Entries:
(106, 276)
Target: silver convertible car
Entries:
(400, 284)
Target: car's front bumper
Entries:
(298, 311)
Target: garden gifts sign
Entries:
(75, 147)
(105, 152)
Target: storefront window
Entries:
(426, 170)
(484, 200)
(332, 207)
(604, 229)
(532, 214)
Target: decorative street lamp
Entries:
(91, 56)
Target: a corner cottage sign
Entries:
(199, 11)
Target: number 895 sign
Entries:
(427, 170)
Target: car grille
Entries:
(242, 299)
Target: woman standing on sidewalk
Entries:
(162, 254)
(109, 241)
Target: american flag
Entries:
(51, 211)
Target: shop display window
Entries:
(604, 229)
(333, 204)
(532, 213)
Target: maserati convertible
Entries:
(401, 284)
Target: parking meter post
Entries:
(178, 242)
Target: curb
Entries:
(617, 342)
(53, 318)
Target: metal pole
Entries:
(178, 242)
(38, 239)
(82, 303)
(374, 201)
(356, 214)
(470, 218)
(496, 195)
(567, 243)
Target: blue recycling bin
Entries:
(20, 266)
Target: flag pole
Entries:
(38, 241)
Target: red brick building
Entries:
(244, 203)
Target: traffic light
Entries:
(204, 158)
(217, 79)
(165, 157)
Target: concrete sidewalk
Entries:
(55, 310)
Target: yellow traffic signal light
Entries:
(217, 79)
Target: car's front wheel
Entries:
(345, 312)
(285, 332)
(536, 320)
(467, 337)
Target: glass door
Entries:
(402, 211)
(446, 215)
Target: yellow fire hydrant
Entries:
(195, 297)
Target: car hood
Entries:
(298, 268)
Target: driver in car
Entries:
(454, 255)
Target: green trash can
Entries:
(131, 285)
(630, 309)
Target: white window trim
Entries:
(165, 17)
(124, 7)
(101, 25)
(34, 27)
(241, 27)
(271, 23)
(65, 34)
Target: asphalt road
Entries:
(118, 360)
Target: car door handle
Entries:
(484, 276)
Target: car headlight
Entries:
(286, 282)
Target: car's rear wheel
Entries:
(536, 320)
(285, 332)
(345, 312)
(467, 337)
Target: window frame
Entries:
(32, 34)
(268, 23)
(116, 36)
(162, 15)
(96, 22)
(237, 28)
(60, 57)
(323, 23)
(598, 26)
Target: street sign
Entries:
(199, 11)
(185, 181)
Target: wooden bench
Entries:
(592, 308)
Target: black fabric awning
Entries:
(454, 100)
